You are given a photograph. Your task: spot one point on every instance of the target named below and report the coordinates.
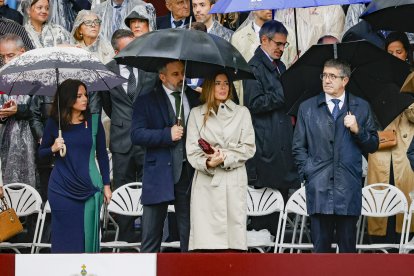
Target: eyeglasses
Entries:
(331, 77)
(280, 44)
(91, 23)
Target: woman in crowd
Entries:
(41, 32)
(218, 196)
(76, 186)
(17, 146)
(141, 19)
(86, 32)
(391, 165)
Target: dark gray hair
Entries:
(341, 65)
(272, 27)
(12, 38)
(118, 34)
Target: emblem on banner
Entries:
(83, 271)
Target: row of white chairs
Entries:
(378, 200)
(26, 201)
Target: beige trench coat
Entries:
(379, 167)
(218, 196)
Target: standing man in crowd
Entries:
(246, 39)
(273, 165)
(167, 173)
(127, 159)
(333, 130)
(201, 9)
(178, 17)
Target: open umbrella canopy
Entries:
(38, 72)
(376, 76)
(204, 53)
(408, 85)
(226, 6)
(390, 15)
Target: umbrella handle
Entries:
(62, 151)
(179, 121)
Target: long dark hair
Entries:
(401, 37)
(67, 94)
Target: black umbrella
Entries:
(391, 15)
(204, 53)
(376, 76)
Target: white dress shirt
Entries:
(330, 103)
(186, 104)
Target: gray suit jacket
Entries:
(118, 107)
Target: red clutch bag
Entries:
(205, 146)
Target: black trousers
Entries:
(324, 227)
(154, 216)
(127, 168)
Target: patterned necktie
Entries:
(178, 23)
(118, 18)
(177, 97)
(335, 110)
(132, 83)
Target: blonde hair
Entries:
(207, 94)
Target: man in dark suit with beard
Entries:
(167, 173)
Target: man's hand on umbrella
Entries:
(177, 132)
(9, 109)
(58, 145)
(351, 123)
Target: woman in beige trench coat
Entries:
(380, 163)
(219, 190)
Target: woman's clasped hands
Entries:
(215, 159)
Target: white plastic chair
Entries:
(39, 245)
(126, 200)
(25, 200)
(297, 205)
(261, 202)
(382, 200)
(408, 245)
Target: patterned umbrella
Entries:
(38, 72)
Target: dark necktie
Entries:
(178, 23)
(335, 110)
(132, 83)
(177, 97)
(277, 67)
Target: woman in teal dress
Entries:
(76, 187)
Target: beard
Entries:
(173, 87)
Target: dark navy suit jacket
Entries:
(151, 128)
(164, 22)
